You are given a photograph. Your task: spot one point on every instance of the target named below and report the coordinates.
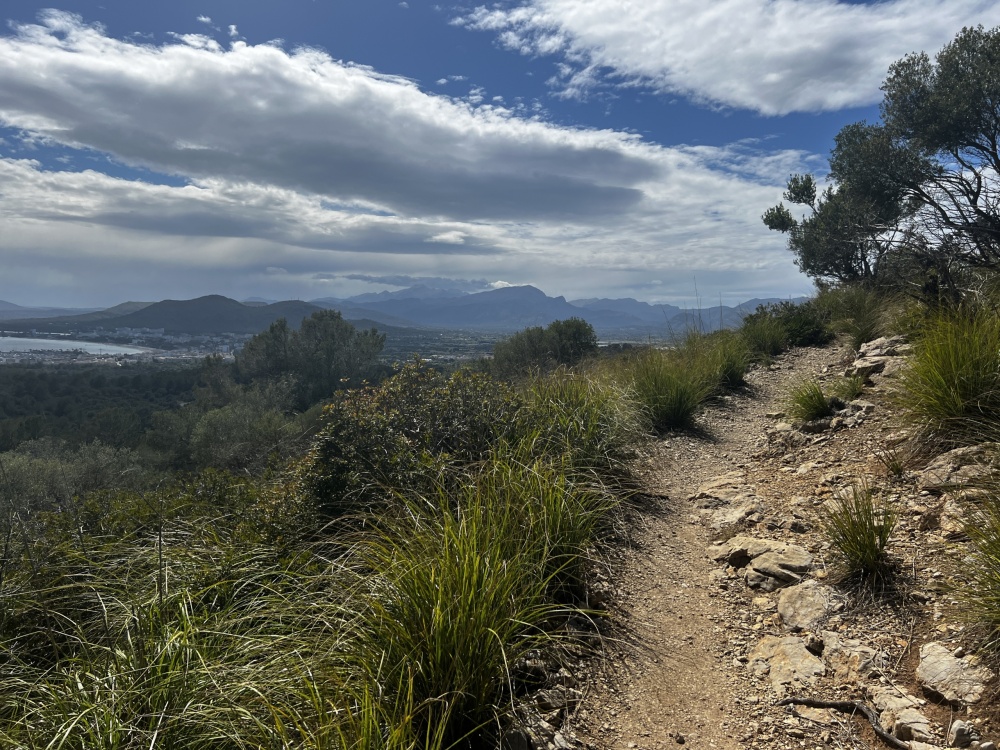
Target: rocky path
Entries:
(713, 627)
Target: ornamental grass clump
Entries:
(858, 526)
(981, 593)
(807, 402)
(672, 389)
(951, 388)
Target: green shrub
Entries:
(858, 527)
(401, 434)
(562, 342)
(722, 357)
(951, 387)
(771, 329)
(807, 402)
(588, 417)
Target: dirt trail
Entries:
(676, 679)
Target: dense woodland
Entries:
(307, 549)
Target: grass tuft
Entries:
(951, 388)
(807, 402)
(858, 526)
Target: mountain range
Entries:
(496, 311)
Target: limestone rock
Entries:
(961, 734)
(769, 564)
(851, 662)
(804, 606)
(899, 713)
(787, 663)
(957, 680)
(885, 346)
(726, 487)
(725, 518)
(865, 367)
(962, 467)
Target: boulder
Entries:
(885, 346)
(944, 675)
(769, 564)
(899, 713)
(787, 662)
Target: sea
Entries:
(13, 344)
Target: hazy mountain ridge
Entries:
(508, 309)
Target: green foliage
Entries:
(771, 329)
(807, 402)
(670, 388)
(466, 586)
(562, 342)
(913, 199)
(321, 357)
(857, 310)
(764, 335)
(981, 594)
(400, 433)
(588, 418)
(849, 389)
(858, 527)
(951, 387)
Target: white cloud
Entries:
(234, 33)
(297, 161)
(207, 20)
(771, 56)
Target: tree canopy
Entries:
(918, 194)
(325, 353)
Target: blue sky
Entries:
(313, 148)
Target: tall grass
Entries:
(765, 337)
(670, 388)
(856, 310)
(806, 401)
(982, 593)
(951, 387)
(858, 527)
(211, 615)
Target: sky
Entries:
(324, 148)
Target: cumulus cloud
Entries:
(294, 160)
(771, 56)
(306, 122)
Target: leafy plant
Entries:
(858, 526)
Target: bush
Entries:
(951, 387)
(400, 435)
(562, 342)
(765, 337)
(807, 402)
(805, 324)
(589, 418)
(858, 526)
